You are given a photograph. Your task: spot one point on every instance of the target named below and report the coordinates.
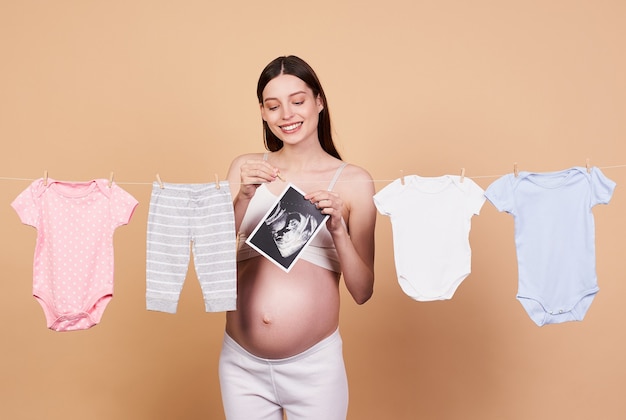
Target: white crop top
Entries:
(321, 251)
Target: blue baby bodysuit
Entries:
(554, 238)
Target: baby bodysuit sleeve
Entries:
(26, 204)
(601, 187)
(476, 197)
(385, 198)
(122, 206)
(500, 193)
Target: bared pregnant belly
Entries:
(282, 314)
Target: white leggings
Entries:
(309, 386)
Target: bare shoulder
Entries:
(355, 176)
(355, 183)
(239, 160)
(356, 173)
(356, 187)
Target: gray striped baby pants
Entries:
(197, 218)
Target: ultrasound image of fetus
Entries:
(290, 230)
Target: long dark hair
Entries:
(296, 66)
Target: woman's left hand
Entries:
(328, 202)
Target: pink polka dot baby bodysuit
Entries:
(73, 261)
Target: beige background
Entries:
(142, 87)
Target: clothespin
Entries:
(45, 178)
(159, 181)
(515, 170)
(462, 174)
(587, 166)
(401, 177)
(111, 180)
(280, 176)
(217, 181)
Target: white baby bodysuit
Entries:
(431, 220)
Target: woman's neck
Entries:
(301, 157)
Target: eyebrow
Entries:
(293, 94)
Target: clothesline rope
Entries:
(3, 178)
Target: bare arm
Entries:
(354, 242)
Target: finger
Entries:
(318, 202)
(254, 172)
(260, 166)
(325, 203)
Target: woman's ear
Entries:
(320, 103)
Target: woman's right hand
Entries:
(253, 173)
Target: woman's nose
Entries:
(287, 112)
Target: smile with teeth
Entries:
(290, 127)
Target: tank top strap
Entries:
(336, 177)
(265, 155)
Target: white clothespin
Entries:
(159, 181)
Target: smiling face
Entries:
(290, 109)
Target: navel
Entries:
(266, 319)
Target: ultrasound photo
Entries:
(287, 228)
